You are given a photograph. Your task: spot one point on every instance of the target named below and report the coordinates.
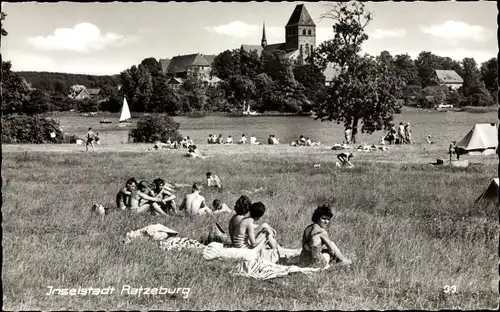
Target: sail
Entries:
(125, 114)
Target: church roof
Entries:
(301, 17)
(275, 46)
(181, 63)
(251, 47)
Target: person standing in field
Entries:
(408, 133)
(317, 248)
(90, 140)
(193, 203)
(401, 133)
(347, 135)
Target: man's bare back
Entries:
(193, 202)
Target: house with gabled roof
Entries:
(80, 92)
(448, 78)
(180, 66)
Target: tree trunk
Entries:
(354, 129)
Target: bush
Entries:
(155, 128)
(30, 129)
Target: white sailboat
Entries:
(125, 114)
(247, 111)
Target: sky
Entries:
(107, 38)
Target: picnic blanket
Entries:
(250, 263)
(168, 238)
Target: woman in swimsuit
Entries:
(241, 207)
(317, 248)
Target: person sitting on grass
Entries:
(345, 159)
(193, 152)
(213, 180)
(220, 207)
(270, 140)
(193, 203)
(245, 235)
(123, 196)
(241, 208)
(141, 202)
(317, 248)
(243, 139)
(229, 140)
(308, 142)
(210, 138)
(428, 140)
(164, 191)
(253, 140)
(220, 139)
(275, 140)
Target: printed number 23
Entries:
(450, 289)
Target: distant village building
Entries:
(182, 66)
(80, 92)
(448, 78)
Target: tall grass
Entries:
(411, 229)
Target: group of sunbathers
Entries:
(303, 141)
(180, 144)
(158, 198)
(214, 139)
(317, 248)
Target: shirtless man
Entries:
(194, 203)
(124, 194)
(164, 191)
(90, 140)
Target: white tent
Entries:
(125, 114)
(481, 140)
(491, 192)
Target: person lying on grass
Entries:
(213, 180)
(141, 202)
(164, 191)
(193, 203)
(245, 235)
(123, 196)
(317, 248)
(220, 207)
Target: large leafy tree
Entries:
(137, 86)
(489, 75)
(15, 90)
(426, 64)
(406, 69)
(226, 64)
(365, 90)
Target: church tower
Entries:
(263, 42)
(300, 32)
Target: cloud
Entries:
(388, 33)
(235, 29)
(452, 30)
(84, 37)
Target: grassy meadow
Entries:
(410, 227)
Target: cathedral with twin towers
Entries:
(300, 37)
